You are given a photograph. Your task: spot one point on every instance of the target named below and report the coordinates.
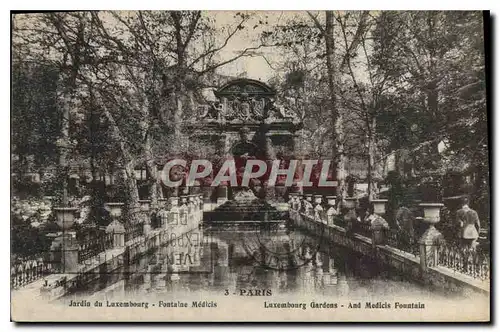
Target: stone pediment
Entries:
(245, 101)
(245, 88)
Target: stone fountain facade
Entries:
(245, 121)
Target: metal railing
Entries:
(403, 241)
(133, 230)
(25, 272)
(363, 229)
(94, 246)
(474, 263)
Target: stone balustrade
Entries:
(430, 248)
(177, 216)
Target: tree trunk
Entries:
(177, 119)
(64, 145)
(128, 174)
(129, 162)
(338, 145)
(151, 172)
(371, 158)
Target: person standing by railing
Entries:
(468, 222)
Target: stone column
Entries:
(430, 240)
(116, 227)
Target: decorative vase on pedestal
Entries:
(66, 242)
(116, 227)
(431, 238)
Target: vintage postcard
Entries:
(252, 166)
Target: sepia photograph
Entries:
(250, 166)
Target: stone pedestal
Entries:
(318, 209)
(116, 227)
(331, 212)
(146, 228)
(429, 247)
(118, 231)
(379, 225)
(69, 253)
(64, 252)
(378, 228)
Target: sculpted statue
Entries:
(244, 111)
(258, 108)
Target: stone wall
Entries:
(408, 264)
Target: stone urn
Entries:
(145, 204)
(331, 200)
(431, 212)
(350, 202)
(115, 209)
(308, 197)
(65, 217)
(379, 206)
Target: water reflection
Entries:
(252, 262)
